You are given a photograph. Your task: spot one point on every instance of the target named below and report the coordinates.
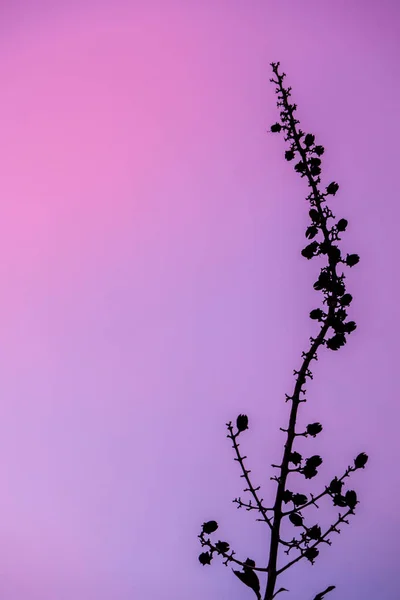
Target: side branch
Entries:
(341, 519)
(245, 474)
(327, 491)
(222, 548)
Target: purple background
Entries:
(153, 288)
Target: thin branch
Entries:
(245, 474)
(314, 498)
(228, 556)
(332, 528)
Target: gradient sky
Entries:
(153, 289)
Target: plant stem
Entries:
(275, 535)
(301, 376)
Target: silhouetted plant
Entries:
(332, 317)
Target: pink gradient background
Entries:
(153, 288)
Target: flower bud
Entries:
(242, 422)
(332, 188)
(296, 519)
(210, 527)
(205, 558)
(360, 461)
(314, 428)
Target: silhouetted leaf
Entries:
(282, 589)
(321, 595)
(276, 127)
(319, 150)
(249, 578)
(210, 527)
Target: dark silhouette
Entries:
(331, 317)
